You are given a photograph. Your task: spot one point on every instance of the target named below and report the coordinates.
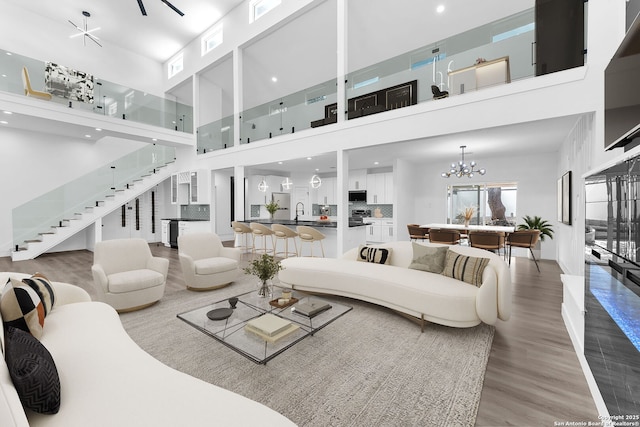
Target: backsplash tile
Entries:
(195, 212)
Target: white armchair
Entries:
(126, 275)
(206, 264)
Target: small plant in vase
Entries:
(272, 207)
(265, 268)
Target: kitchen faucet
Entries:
(301, 210)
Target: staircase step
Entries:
(46, 233)
(33, 241)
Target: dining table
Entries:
(462, 227)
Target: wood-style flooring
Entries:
(533, 376)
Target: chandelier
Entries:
(461, 169)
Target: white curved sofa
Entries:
(428, 296)
(107, 380)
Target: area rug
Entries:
(371, 367)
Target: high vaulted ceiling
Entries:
(159, 35)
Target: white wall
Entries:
(41, 38)
(535, 175)
(34, 163)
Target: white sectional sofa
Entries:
(107, 380)
(427, 296)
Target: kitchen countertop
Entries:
(318, 224)
(182, 219)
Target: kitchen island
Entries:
(355, 235)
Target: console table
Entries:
(477, 76)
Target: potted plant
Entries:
(265, 268)
(537, 223)
(272, 207)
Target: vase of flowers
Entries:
(467, 214)
(272, 207)
(265, 268)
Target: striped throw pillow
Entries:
(374, 254)
(466, 268)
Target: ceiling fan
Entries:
(175, 9)
(85, 32)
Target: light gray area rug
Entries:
(370, 367)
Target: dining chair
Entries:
(489, 240)
(524, 239)
(448, 237)
(417, 233)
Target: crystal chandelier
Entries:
(461, 169)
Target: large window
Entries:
(493, 203)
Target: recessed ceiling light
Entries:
(9, 53)
(7, 112)
(440, 8)
(98, 130)
(154, 139)
(317, 170)
(376, 163)
(3, 122)
(308, 158)
(87, 136)
(4, 75)
(279, 163)
(274, 79)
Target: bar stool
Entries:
(261, 230)
(282, 232)
(242, 231)
(309, 235)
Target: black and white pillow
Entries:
(33, 371)
(374, 254)
(466, 268)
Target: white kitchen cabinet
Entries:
(255, 196)
(326, 193)
(199, 187)
(165, 232)
(357, 179)
(174, 188)
(380, 230)
(380, 188)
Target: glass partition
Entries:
(97, 95)
(290, 114)
(62, 203)
(216, 135)
(495, 53)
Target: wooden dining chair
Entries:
(417, 233)
(489, 240)
(524, 239)
(448, 237)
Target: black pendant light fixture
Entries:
(175, 9)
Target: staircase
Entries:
(66, 228)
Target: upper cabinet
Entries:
(326, 193)
(199, 187)
(357, 179)
(380, 188)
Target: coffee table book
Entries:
(270, 327)
(312, 308)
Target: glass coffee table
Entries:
(232, 331)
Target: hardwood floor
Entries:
(533, 376)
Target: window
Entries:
(493, 203)
(212, 39)
(259, 8)
(176, 65)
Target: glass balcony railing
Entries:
(80, 91)
(290, 114)
(456, 65)
(496, 53)
(217, 135)
(61, 204)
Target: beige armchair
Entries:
(29, 91)
(126, 275)
(205, 263)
